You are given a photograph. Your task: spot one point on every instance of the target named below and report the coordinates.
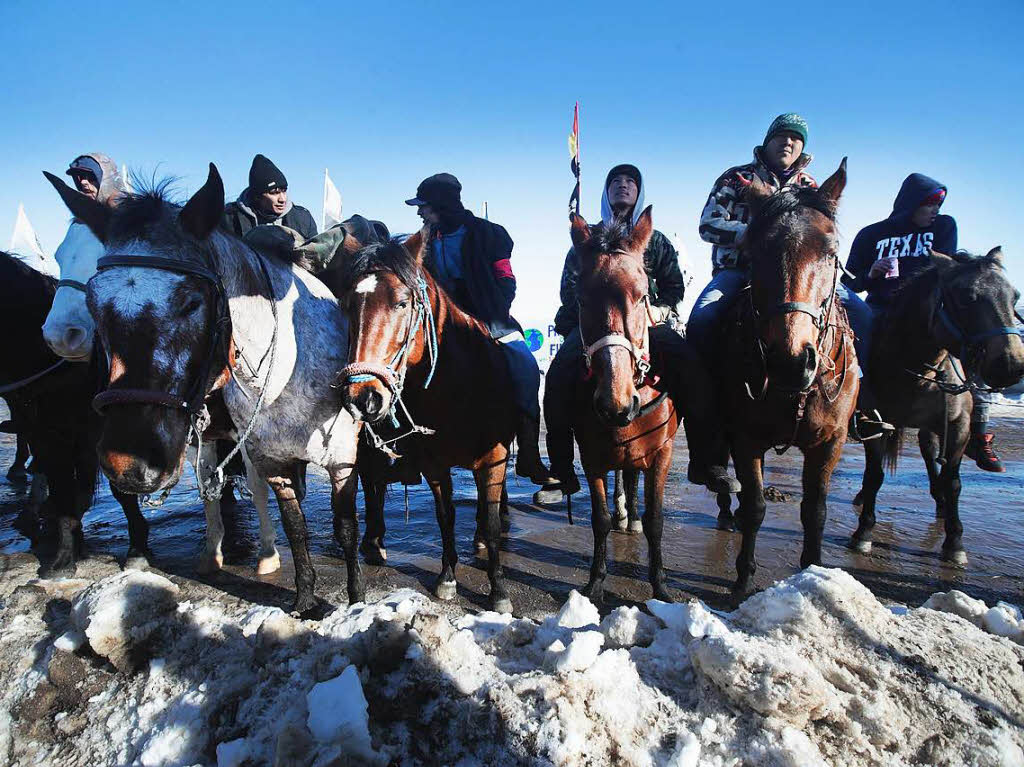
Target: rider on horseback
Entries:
(887, 253)
(470, 258)
(686, 377)
(265, 201)
(96, 176)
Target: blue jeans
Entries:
(862, 319)
(708, 312)
(524, 376)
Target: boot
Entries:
(715, 478)
(709, 457)
(528, 462)
(980, 450)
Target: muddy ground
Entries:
(545, 557)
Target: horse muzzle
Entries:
(367, 401)
(792, 372)
(133, 474)
(72, 342)
(616, 414)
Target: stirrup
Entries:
(860, 419)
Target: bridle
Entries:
(970, 343)
(640, 353)
(392, 373)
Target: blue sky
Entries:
(386, 94)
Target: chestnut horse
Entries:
(961, 306)
(435, 372)
(621, 420)
(789, 365)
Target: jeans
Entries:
(862, 318)
(708, 312)
(524, 376)
(979, 415)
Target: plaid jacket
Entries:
(726, 215)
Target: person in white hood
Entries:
(96, 176)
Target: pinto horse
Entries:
(963, 307)
(70, 331)
(419, 360)
(51, 399)
(789, 364)
(621, 421)
(183, 310)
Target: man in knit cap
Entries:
(265, 201)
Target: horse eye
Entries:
(191, 305)
(401, 304)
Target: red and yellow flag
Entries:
(574, 160)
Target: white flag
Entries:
(332, 204)
(25, 245)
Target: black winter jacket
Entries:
(661, 262)
(241, 216)
(488, 284)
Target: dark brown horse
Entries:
(423, 365)
(789, 365)
(621, 420)
(958, 307)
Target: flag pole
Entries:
(323, 206)
(574, 160)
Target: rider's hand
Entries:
(879, 268)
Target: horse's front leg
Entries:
(490, 482)
(372, 466)
(654, 519)
(601, 524)
(268, 560)
(138, 529)
(748, 461)
(874, 454)
(285, 480)
(930, 449)
(346, 526)
(212, 558)
(726, 520)
(631, 488)
(441, 486)
(819, 463)
(949, 480)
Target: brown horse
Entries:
(434, 372)
(960, 306)
(621, 420)
(789, 364)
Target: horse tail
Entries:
(893, 445)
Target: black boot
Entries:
(709, 457)
(528, 461)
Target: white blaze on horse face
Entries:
(69, 328)
(368, 284)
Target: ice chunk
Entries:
(69, 641)
(233, 753)
(338, 713)
(580, 654)
(628, 626)
(958, 603)
(692, 619)
(686, 753)
(577, 612)
(1004, 620)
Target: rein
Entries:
(72, 284)
(640, 354)
(8, 388)
(193, 404)
(392, 374)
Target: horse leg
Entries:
(69, 524)
(874, 452)
(819, 463)
(445, 586)
(268, 560)
(138, 530)
(621, 515)
(949, 479)
(750, 515)
(372, 467)
(503, 512)
(632, 481)
(18, 472)
(285, 480)
(929, 443)
(490, 482)
(654, 519)
(212, 558)
(726, 519)
(346, 527)
(601, 523)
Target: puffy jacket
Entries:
(726, 215)
(241, 216)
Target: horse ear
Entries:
(642, 231)
(415, 245)
(834, 185)
(941, 261)
(94, 215)
(996, 254)
(579, 230)
(204, 209)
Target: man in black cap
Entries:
(687, 379)
(471, 259)
(265, 201)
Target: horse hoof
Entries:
(727, 523)
(594, 591)
(268, 564)
(622, 524)
(445, 590)
(661, 594)
(480, 547)
(136, 560)
(501, 605)
(636, 527)
(548, 497)
(357, 596)
(956, 558)
(304, 607)
(208, 564)
(742, 589)
(860, 546)
(372, 553)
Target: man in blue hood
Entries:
(690, 384)
(886, 254)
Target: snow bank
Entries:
(812, 671)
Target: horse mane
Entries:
(908, 296)
(787, 200)
(46, 283)
(390, 256)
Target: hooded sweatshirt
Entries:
(661, 262)
(897, 237)
(111, 185)
(243, 215)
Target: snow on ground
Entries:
(130, 668)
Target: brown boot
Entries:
(980, 449)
